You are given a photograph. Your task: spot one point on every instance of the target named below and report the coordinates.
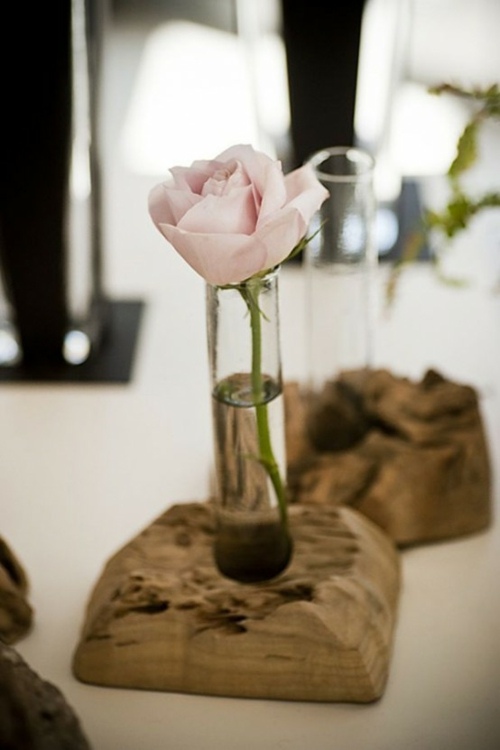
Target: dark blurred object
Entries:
(50, 188)
(35, 147)
(322, 44)
(16, 614)
(34, 714)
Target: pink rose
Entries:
(237, 215)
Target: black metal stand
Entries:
(51, 114)
(112, 362)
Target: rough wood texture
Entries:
(161, 616)
(16, 614)
(34, 714)
(411, 456)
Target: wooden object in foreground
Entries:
(16, 614)
(411, 456)
(161, 617)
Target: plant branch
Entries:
(461, 208)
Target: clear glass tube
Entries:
(252, 541)
(340, 261)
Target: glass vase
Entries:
(340, 263)
(252, 541)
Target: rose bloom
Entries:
(236, 215)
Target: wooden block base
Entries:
(16, 613)
(411, 456)
(161, 617)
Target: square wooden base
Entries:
(161, 617)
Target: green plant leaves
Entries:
(467, 151)
(461, 207)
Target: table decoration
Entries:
(410, 455)
(253, 540)
(339, 263)
(209, 597)
(235, 219)
(162, 617)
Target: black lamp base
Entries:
(112, 362)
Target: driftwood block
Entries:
(34, 715)
(411, 456)
(161, 617)
(16, 614)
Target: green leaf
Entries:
(459, 211)
(461, 208)
(466, 151)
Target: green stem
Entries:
(250, 294)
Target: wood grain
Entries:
(410, 455)
(161, 617)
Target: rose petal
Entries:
(168, 205)
(228, 177)
(219, 258)
(273, 191)
(243, 153)
(264, 173)
(193, 177)
(236, 215)
(280, 235)
(304, 191)
(232, 213)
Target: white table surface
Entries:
(84, 467)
